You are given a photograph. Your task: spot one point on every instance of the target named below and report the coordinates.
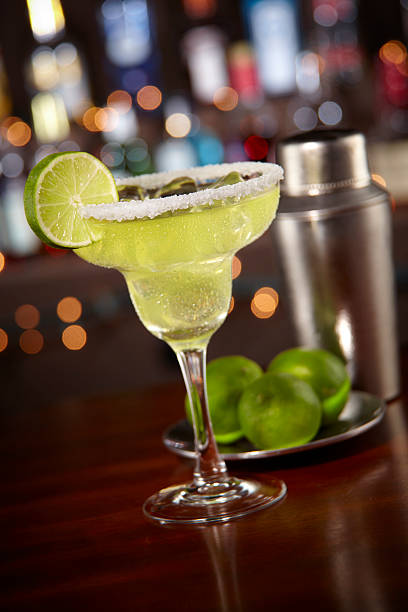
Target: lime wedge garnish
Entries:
(229, 179)
(131, 192)
(57, 187)
(182, 184)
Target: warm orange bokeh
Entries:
(226, 99)
(393, 52)
(27, 316)
(31, 341)
(19, 134)
(7, 123)
(3, 340)
(74, 337)
(265, 302)
(120, 100)
(88, 119)
(236, 267)
(69, 309)
(106, 119)
(149, 97)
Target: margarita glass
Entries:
(175, 253)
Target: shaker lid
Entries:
(322, 161)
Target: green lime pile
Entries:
(302, 390)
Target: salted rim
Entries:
(152, 207)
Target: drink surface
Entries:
(186, 236)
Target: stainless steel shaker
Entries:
(334, 238)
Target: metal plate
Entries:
(360, 414)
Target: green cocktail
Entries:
(175, 253)
(178, 266)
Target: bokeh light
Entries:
(27, 316)
(19, 134)
(149, 97)
(308, 72)
(226, 98)
(265, 302)
(137, 150)
(46, 19)
(69, 309)
(44, 150)
(379, 179)
(88, 119)
(236, 267)
(178, 125)
(106, 119)
(6, 123)
(31, 341)
(232, 304)
(325, 15)
(12, 165)
(330, 113)
(138, 158)
(256, 147)
(112, 154)
(74, 337)
(2, 262)
(50, 118)
(305, 118)
(3, 340)
(44, 69)
(209, 148)
(67, 56)
(393, 52)
(120, 100)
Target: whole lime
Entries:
(279, 411)
(227, 377)
(325, 372)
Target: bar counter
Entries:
(74, 476)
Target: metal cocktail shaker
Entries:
(334, 237)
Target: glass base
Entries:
(213, 503)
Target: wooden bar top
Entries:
(74, 477)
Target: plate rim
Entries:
(378, 414)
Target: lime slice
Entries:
(57, 187)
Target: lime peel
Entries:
(56, 190)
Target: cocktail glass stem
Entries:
(212, 496)
(210, 468)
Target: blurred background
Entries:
(151, 85)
